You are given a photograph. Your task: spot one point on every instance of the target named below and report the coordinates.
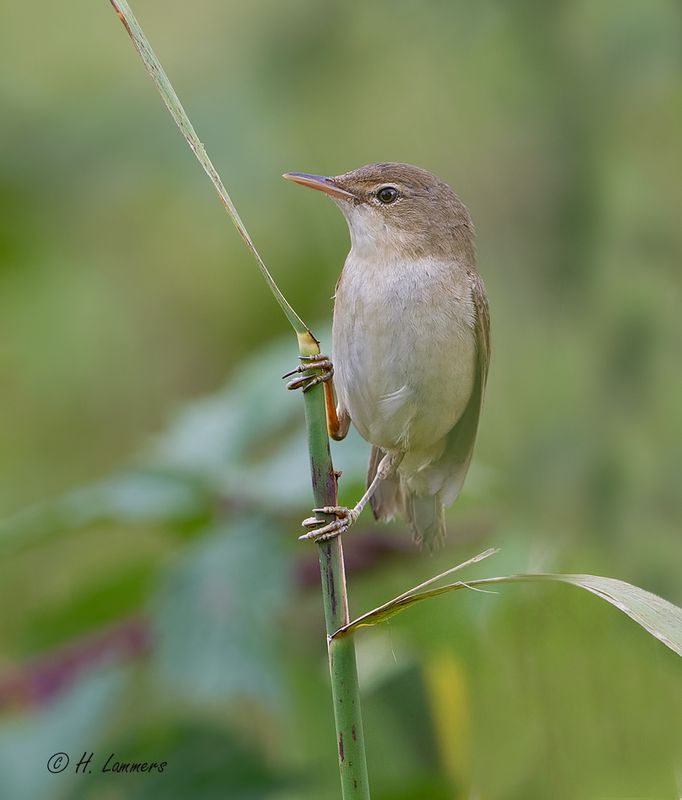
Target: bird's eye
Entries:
(387, 194)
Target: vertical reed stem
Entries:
(342, 663)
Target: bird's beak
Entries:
(319, 182)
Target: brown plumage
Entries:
(411, 338)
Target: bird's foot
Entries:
(318, 369)
(345, 517)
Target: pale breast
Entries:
(404, 349)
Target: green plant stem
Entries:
(342, 661)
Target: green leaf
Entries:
(659, 617)
(216, 617)
(244, 442)
(174, 106)
(136, 496)
(656, 615)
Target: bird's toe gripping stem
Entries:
(316, 369)
(345, 517)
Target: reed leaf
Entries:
(661, 618)
(342, 660)
(174, 106)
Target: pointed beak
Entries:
(319, 182)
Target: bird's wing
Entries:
(482, 326)
(461, 439)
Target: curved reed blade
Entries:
(174, 106)
(661, 618)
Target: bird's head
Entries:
(398, 209)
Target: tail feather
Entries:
(424, 513)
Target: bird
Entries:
(410, 344)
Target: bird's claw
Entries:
(320, 364)
(345, 517)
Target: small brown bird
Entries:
(411, 343)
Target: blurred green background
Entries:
(155, 602)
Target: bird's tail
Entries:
(424, 513)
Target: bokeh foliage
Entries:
(125, 296)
